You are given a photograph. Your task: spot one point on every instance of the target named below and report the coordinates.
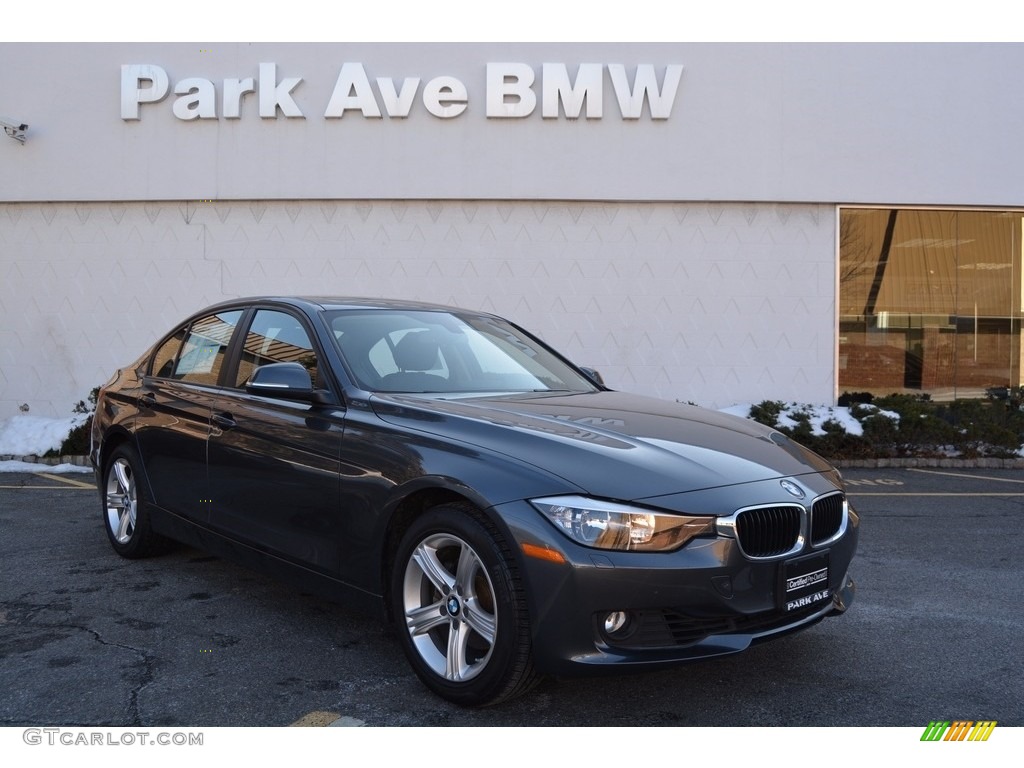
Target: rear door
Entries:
(175, 407)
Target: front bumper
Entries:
(704, 600)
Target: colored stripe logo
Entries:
(958, 730)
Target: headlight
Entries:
(607, 525)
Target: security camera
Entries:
(15, 130)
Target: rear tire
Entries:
(461, 606)
(126, 513)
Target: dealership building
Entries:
(713, 223)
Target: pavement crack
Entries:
(27, 614)
(146, 677)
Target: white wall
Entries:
(713, 303)
(594, 232)
(824, 123)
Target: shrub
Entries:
(848, 399)
(902, 425)
(77, 441)
(767, 412)
(920, 431)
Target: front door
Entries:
(274, 463)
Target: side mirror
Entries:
(593, 374)
(288, 381)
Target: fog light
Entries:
(615, 621)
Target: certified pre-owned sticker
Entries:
(807, 580)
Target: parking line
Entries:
(970, 477)
(911, 493)
(68, 480)
(46, 488)
(69, 484)
(316, 719)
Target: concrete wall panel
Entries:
(711, 303)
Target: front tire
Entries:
(462, 608)
(125, 510)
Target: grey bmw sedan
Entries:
(510, 514)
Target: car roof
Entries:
(314, 303)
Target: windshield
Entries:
(440, 352)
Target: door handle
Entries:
(224, 420)
(148, 400)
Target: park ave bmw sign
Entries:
(513, 90)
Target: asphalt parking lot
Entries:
(87, 638)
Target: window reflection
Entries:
(276, 337)
(929, 301)
(203, 351)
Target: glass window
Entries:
(383, 354)
(163, 359)
(276, 337)
(202, 354)
(929, 302)
(433, 351)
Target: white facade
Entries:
(682, 240)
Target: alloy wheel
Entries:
(449, 607)
(122, 501)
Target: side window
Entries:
(163, 359)
(276, 337)
(202, 354)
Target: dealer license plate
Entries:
(805, 582)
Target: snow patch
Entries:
(34, 436)
(25, 466)
(742, 410)
(818, 415)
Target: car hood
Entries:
(610, 444)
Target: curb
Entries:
(913, 463)
(50, 461)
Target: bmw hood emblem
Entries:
(792, 488)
